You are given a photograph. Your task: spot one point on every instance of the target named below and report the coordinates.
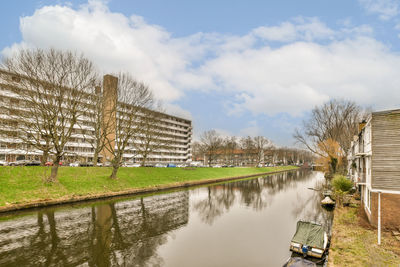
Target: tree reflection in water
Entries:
(256, 193)
(125, 233)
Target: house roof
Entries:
(384, 112)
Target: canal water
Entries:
(242, 223)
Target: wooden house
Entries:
(374, 165)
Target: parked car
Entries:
(86, 164)
(33, 163)
(160, 165)
(129, 164)
(182, 165)
(170, 165)
(217, 166)
(107, 164)
(74, 164)
(196, 164)
(50, 163)
(3, 163)
(19, 162)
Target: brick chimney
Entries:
(110, 95)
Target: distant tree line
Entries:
(212, 148)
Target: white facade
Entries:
(179, 130)
(359, 156)
(360, 162)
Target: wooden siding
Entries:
(386, 150)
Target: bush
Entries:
(341, 183)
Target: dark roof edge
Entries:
(384, 112)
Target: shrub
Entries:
(341, 183)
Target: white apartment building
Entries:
(179, 130)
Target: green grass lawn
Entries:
(26, 184)
(354, 242)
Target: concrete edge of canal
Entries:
(136, 191)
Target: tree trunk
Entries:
(114, 172)
(258, 161)
(44, 158)
(54, 169)
(144, 160)
(95, 157)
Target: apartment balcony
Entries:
(362, 152)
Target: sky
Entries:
(253, 67)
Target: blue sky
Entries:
(241, 67)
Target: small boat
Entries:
(327, 202)
(299, 262)
(310, 239)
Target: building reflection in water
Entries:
(125, 233)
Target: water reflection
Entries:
(255, 193)
(125, 233)
(198, 227)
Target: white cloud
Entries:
(386, 9)
(112, 40)
(301, 29)
(295, 77)
(311, 64)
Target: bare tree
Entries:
(229, 147)
(151, 137)
(269, 154)
(260, 144)
(248, 147)
(197, 151)
(131, 99)
(52, 87)
(211, 144)
(335, 120)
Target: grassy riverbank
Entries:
(354, 241)
(19, 185)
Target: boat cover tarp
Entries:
(309, 234)
(299, 262)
